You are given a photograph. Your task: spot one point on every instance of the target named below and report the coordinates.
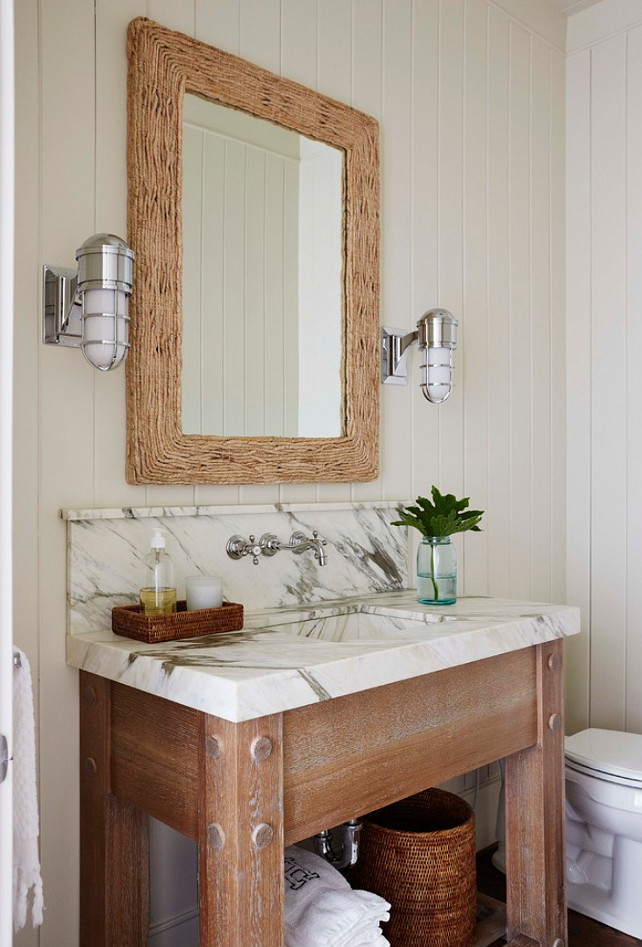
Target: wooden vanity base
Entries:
(245, 790)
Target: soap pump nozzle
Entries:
(158, 538)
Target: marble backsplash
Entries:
(365, 554)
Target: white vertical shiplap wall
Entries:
(470, 97)
(604, 339)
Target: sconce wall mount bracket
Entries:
(61, 324)
(394, 355)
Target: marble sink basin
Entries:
(354, 625)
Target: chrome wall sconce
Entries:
(89, 307)
(436, 336)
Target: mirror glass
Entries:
(262, 277)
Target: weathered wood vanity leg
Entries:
(535, 855)
(114, 907)
(240, 832)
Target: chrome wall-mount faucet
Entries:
(268, 545)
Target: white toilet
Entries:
(604, 827)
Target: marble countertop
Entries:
(288, 657)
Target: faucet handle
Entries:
(297, 540)
(269, 544)
(319, 555)
(237, 547)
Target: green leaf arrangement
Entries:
(443, 517)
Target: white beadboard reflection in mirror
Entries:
(262, 270)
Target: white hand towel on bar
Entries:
(26, 863)
(322, 910)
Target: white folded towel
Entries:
(26, 864)
(322, 910)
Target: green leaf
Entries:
(442, 517)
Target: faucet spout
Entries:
(299, 542)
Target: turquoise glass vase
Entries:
(436, 571)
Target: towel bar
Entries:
(17, 660)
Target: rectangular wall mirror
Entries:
(253, 208)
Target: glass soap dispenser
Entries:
(158, 594)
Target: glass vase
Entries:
(436, 571)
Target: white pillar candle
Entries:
(203, 591)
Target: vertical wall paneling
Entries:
(470, 99)
(557, 264)
(274, 348)
(604, 337)
(257, 376)
(176, 16)
(608, 381)
(450, 226)
(299, 41)
(212, 281)
(634, 377)
(497, 522)
(395, 236)
(219, 24)
(540, 394)
(233, 284)
(292, 251)
(472, 359)
(334, 24)
(424, 261)
(192, 377)
(261, 32)
(519, 197)
(578, 316)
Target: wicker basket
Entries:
(419, 854)
(129, 621)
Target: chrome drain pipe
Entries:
(350, 832)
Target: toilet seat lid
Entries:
(607, 752)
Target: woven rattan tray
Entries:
(129, 621)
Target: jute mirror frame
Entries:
(163, 65)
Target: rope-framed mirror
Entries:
(164, 67)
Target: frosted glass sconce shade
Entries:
(90, 308)
(436, 336)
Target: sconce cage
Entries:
(436, 338)
(88, 308)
